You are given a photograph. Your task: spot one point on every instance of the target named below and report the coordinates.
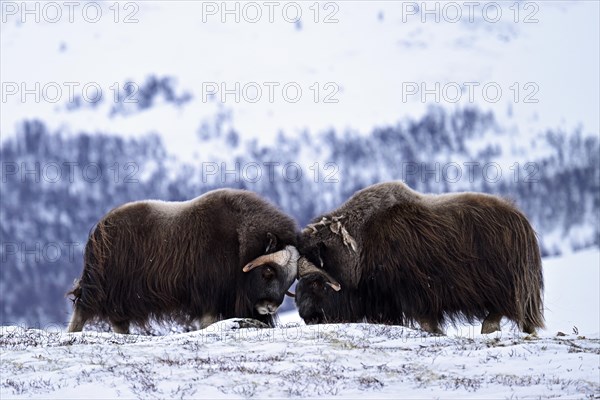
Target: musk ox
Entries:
(227, 253)
(392, 255)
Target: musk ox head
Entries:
(269, 277)
(325, 278)
(316, 293)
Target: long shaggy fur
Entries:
(421, 258)
(153, 259)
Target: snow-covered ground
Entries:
(349, 361)
(344, 361)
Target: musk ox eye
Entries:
(316, 285)
(268, 273)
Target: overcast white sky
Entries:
(370, 55)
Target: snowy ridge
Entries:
(350, 361)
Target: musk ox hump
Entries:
(335, 226)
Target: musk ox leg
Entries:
(491, 323)
(77, 321)
(206, 320)
(120, 326)
(528, 328)
(430, 326)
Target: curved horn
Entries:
(305, 267)
(287, 257)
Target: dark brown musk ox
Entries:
(228, 253)
(394, 256)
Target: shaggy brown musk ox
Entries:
(228, 253)
(392, 255)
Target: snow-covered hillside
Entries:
(344, 361)
(349, 361)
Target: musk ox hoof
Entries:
(491, 323)
(243, 323)
(431, 328)
(436, 332)
(490, 327)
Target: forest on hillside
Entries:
(55, 186)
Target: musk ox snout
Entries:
(265, 307)
(310, 293)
